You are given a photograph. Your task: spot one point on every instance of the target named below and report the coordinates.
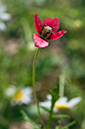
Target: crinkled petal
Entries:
(74, 102)
(57, 35)
(38, 24)
(39, 42)
(53, 23)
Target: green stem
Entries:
(50, 118)
(34, 65)
(61, 85)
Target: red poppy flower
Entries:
(46, 31)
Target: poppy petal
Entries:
(38, 24)
(53, 23)
(57, 35)
(39, 42)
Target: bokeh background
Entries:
(65, 56)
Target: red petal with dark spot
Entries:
(53, 23)
(38, 24)
(57, 35)
(39, 42)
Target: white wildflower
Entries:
(22, 96)
(61, 103)
(3, 17)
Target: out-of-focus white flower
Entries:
(61, 103)
(23, 96)
(11, 91)
(46, 103)
(3, 17)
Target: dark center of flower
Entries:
(46, 31)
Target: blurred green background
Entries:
(64, 56)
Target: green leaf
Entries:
(60, 116)
(57, 127)
(46, 109)
(29, 120)
(54, 95)
(68, 125)
(32, 111)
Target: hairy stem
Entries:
(35, 95)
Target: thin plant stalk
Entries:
(61, 85)
(35, 95)
(50, 117)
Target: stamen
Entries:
(59, 106)
(48, 28)
(46, 31)
(19, 95)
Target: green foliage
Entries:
(68, 125)
(60, 116)
(64, 56)
(29, 120)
